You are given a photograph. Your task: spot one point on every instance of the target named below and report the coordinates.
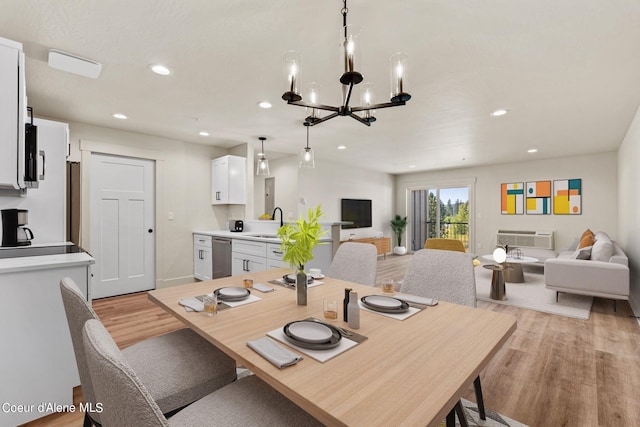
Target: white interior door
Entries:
(122, 225)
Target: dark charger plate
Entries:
(336, 336)
(234, 298)
(291, 278)
(404, 306)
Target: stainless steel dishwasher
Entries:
(221, 257)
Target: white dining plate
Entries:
(383, 302)
(311, 332)
(233, 292)
(318, 276)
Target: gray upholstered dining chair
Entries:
(447, 276)
(176, 368)
(355, 262)
(127, 402)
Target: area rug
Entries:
(532, 294)
(493, 418)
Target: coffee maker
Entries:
(14, 232)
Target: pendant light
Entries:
(306, 154)
(263, 163)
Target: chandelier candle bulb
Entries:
(398, 77)
(292, 71)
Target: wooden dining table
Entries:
(407, 373)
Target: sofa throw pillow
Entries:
(574, 245)
(602, 251)
(584, 253)
(587, 231)
(586, 240)
(601, 235)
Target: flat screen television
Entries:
(357, 211)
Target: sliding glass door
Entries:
(440, 212)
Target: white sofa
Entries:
(603, 270)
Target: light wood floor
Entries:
(554, 370)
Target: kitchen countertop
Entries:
(42, 262)
(248, 235)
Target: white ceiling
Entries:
(568, 72)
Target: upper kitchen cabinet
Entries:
(228, 180)
(12, 115)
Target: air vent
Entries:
(526, 239)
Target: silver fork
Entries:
(343, 331)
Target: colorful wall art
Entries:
(567, 197)
(512, 198)
(538, 198)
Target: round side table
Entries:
(498, 291)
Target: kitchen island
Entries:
(256, 248)
(37, 363)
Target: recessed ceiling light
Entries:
(119, 116)
(342, 147)
(203, 133)
(499, 113)
(412, 166)
(161, 69)
(532, 150)
(264, 104)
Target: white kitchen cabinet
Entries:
(274, 257)
(248, 256)
(243, 263)
(228, 180)
(37, 363)
(12, 115)
(202, 253)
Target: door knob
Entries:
(150, 230)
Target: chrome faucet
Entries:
(273, 215)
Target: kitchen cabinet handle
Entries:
(248, 269)
(44, 165)
(277, 252)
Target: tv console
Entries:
(382, 244)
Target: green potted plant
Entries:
(398, 225)
(298, 240)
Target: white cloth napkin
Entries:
(191, 304)
(416, 299)
(274, 352)
(262, 287)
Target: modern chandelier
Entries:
(349, 78)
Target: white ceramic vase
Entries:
(399, 250)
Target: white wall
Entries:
(328, 182)
(629, 205)
(183, 181)
(599, 201)
(285, 173)
(298, 189)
